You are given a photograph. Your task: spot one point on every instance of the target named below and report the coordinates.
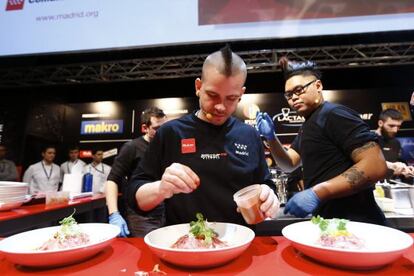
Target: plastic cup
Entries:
(54, 197)
(248, 201)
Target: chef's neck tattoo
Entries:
(364, 147)
(355, 177)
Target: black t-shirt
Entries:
(391, 148)
(226, 158)
(325, 143)
(127, 160)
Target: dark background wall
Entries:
(33, 116)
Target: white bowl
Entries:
(383, 245)
(20, 248)
(238, 238)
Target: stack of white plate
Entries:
(13, 194)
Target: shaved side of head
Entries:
(225, 62)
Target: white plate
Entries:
(238, 238)
(20, 248)
(383, 245)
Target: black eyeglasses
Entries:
(298, 90)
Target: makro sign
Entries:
(102, 127)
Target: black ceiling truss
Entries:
(258, 61)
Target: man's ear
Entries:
(319, 86)
(380, 123)
(198, 83)
(144, 128)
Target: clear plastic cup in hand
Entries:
(248, 201)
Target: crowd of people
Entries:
(197, 162)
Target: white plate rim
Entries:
(116, 229)
(339, 250)
(251, 236)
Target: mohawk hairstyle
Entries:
(306, 68)
(227, 55)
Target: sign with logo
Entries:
(13, 5)
(85, 154)
(102, 127)
(110, 153)
(401, 107)
(289, 118)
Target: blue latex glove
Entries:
(116, 219)
(302, 203)
(265, 126)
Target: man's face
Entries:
(49, 155)
(2, 152)
(98, 157)
(156, 123)
(219, 95)
(73, 155)
(305, 92)
(389, 127)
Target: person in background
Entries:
(197, 162)
(99, 170)
(125, 163)
(8, 171)
(43, 176)
(389, 123)
(74, 164)
(294, 182)
(340, 156)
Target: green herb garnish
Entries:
(332, 227)
(68, 227)
(200, 229)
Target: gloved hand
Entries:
(302, 203)
(116, 219)
(265, 126)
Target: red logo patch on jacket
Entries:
(188, 145)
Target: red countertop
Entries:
(265, 256)
(33, 209)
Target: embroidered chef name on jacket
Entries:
(213, 156)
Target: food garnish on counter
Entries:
(335, 234)
(68, 235)
(200, 236)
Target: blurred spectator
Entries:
(389, 124)
(43, 176)
(74, 164)
(99, 170)
(8, 171)
(125, 163)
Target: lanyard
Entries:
(103, 169)
(74, 163)
(44, 170)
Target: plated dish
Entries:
(58, 245)
(377, 245)
(237, 239)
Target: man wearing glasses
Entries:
(340, 156)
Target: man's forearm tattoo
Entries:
(354, 177)
(364, 147)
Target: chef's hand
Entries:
(398, 167)
(265, 126)
(409, 171)
(302, 203)
(270, 203)
(116, 219)
(178, 178)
